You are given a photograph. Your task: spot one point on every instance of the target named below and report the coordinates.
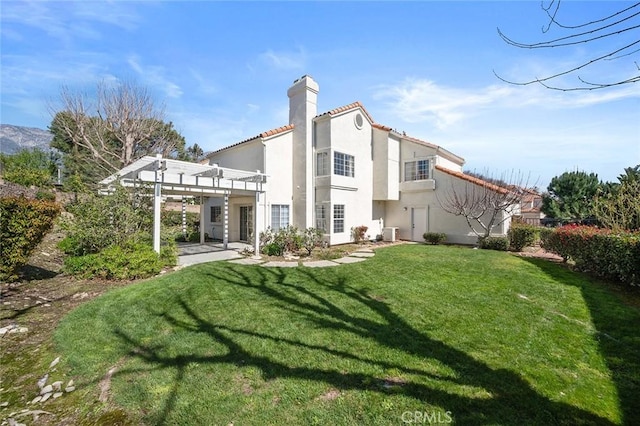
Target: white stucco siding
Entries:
(245, 156)
(352, 136)
(451, 165)
(279, 170)
(456, 227)
(386, 166)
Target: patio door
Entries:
(246, 222)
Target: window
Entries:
(343, 164)
(322, 164)
(321, 217)
(338, 218)
(279, 216)
(416, 170)
(216, 214)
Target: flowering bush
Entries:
(605, 253)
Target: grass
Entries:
(472, 336)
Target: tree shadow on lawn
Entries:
(511, 399)
(618, 332)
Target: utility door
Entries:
(418, 223)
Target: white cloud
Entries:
(284, 60)
(415, 100)
(154, 77)
(421, 100)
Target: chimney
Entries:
(303, 107)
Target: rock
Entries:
(69, 388)
(45, 396)
(43, 381)
(57, 395)
(71, 383)
(54, 363)
(45, 390)
(4, 404)
(36, 399)
(57, 385)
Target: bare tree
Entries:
(618, 25)
(119, 126)
(483, 204)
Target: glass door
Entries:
(246, 223)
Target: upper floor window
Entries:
(279, 216)
(322, 164)
(343, 164)
(416, 170)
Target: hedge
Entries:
(23, 224)
(602, 252)
(522, 235)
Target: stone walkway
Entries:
(355, 257)
(191, 254)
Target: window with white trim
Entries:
(338, 218)
(416, 170)
(321, 217)
(216, 214)
(343, 164)
(322, 164)
(279, 216)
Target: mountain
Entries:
(15, 138)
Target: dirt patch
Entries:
(35, 304)
(330, 395)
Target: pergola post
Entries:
(157, 198)
(257, 218)
(202, 219)
(184, 216)
(225, 232)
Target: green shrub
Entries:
(174, 218)
(98, 222)
(602, 252)
(136, 260)
(287, 239)
(494, 243)
(23, 224)
(522, 235)
(45, 195)
(272, 249)
(434, 237)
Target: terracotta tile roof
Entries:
(473, 179)
(381, 127)
(438, 148)
(348, 108)
(266, 134)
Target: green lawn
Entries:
(415, 334)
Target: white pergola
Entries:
(174, 177)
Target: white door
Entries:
(418, 223)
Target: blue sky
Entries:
(222, 69)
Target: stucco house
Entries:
(337, 170)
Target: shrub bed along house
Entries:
(602, 252)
